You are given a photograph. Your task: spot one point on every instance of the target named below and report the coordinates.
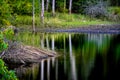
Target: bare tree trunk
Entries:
(70, 6)
(53, 7)
(64, 5)
(39, 9)
(42, 13)
(47, 4)
(33, 18)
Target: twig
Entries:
(2, 54)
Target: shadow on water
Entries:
(83, 57)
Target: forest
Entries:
(12, 12)
(29, 27)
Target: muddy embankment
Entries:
(23, 54)
(112, 29)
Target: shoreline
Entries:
(115, 29)
(102, 28)
(23, 54)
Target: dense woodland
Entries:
(9, 9)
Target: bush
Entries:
(114, 13)
(5, 74)
(96, 10)
(3, 45)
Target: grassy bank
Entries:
(61, 20)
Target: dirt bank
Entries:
(88, 29)
(26, 54)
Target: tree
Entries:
(42, 13)
(47, 4)
(33, 18)
(64, 5)
(53, 7)
(70, 6)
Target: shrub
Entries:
(96, 10)
(114, 13)
(5, 74)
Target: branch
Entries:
(2, 54)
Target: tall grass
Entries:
(61, 20)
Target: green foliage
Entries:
(8, 34)
(5, 36)
(5, 74)
(114, 10)
(118, 52)
(5, 12)
(3, 45)
(114, 13)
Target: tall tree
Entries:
(70, 6)
(47, 4)
(33, 18)
(42, 13)
(53, 7)
(64, 5)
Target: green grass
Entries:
(61, 20)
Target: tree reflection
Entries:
(72, 60)
(42, 70)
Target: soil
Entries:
(115, 29)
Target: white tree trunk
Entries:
(70, 6)
(47, 4)
(33, 17)
(42, 13)
(53, 7)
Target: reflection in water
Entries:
(65, 62)
(42, 41)
(42, 70)
(47, 42)
(72, 60)
(56, 70)
(48, 69)
(27, 72)
(53, 43)
(53, 49)
(83, 57)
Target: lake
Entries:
(82, 57)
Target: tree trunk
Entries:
(33, 18)
(53, 7)
(70, 6)
(47, 4)
(42, 13)
(39, 9)
(64, 5)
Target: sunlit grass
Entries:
(61, 20)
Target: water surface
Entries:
(83, 57)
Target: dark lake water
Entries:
(82, 57)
